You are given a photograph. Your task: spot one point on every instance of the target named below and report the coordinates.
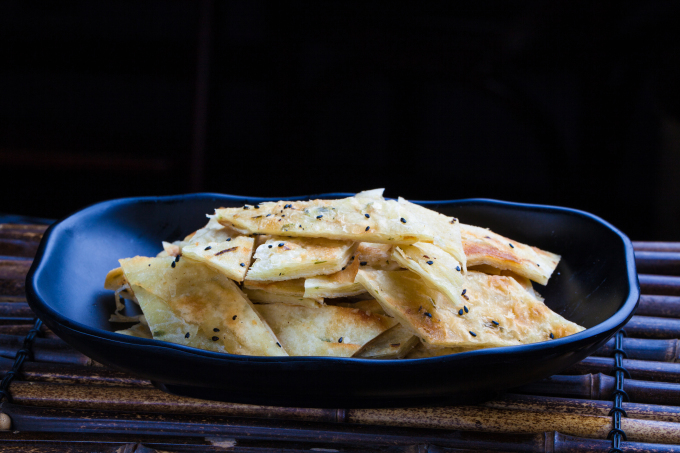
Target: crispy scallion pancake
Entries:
(324, 331)
(377, 256)
(422, 351)
(437, 268)
(340, 284)
(444, 230)
(282, 258)
(140, 330)
(115, 280)
(369, 305)
(263, 297)
(494, 310)
(213, 231)
(394, 343)
(295, 287)
(486, 247)
(163, 322)
(202, 296)
(231, 257)
(364, 219)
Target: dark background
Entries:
(565, 102)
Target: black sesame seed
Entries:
(319, 216)
(458, 268)
(208, 248)
(460, 312)
(343, 268)
(428, 314)
(173, 264)
(368, 228)
(463, 293)
(246, 207)
(216, 329)
(187, 335)
(466, 297)
(465, 308)
(257, 206)
(538, 265)
(494, 322)
(281, 244)
(403, 220)
(215, 338)
(511, 246)
(177, 258)
(234, 318)
(552, 337)
(267, 215)
(472, 333)
(340, 340)
(367, 216)
(228, 239)
(278, 344)
(363, 263)
(243, 264)
(283, 215)
(430, 262)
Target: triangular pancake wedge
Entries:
(340, 284)
(205, 297)
(377, 256)
(163, 323)
(283, 258)
(363, 219)
(324, 331)
(444, 230)
(494, 311)
(263, 297)
(483, 246)
(231, 257)
(295, 288)
(394, 343)
(438, 268)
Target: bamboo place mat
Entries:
(63, 402)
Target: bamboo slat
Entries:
(662, 285)
(457, 418)
(44, 350)
(20, 240)
(661, 306)
(643, 349)
(646, 246)
(653, 327)
(638, 369)
(600, 387)
(655, 262)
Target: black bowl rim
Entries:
(43, 310)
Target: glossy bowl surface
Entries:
(595, 285)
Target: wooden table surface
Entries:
(64, 402)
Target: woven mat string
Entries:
(617, 435)
(22, 354)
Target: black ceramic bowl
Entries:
(595, 285)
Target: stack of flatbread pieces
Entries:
(356, 277)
